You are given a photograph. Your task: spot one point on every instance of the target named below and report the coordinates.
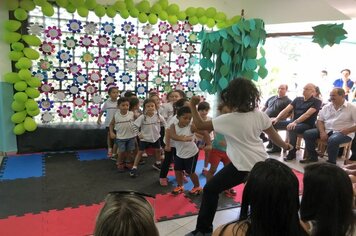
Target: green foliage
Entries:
(329, 34)
(232, 52)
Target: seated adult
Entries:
(345, 82)
(336, 124)
(326, 206)
(270, 203)
(305, 110)
(273, 106)
(126, 213)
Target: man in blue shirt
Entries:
(345, 82)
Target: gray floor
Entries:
(184, 225)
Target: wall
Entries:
(7, 138)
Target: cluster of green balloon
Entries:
(26, 86)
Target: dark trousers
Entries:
(168, 159)
(353, 149)
(299, 129)
(225, 179)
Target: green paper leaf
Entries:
(223, 83)
(205, 75)
(261, 61)
(251, 53)
(262, 72)
(227, 45)
(246, 41)
(251, 64)
(204, 84)
(225, 58)
(224, 70)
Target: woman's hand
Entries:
(195, 100)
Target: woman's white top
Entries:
(185, 150)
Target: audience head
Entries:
(282, 90)
(346, 73)
(308, 90)
(149, 106)
(241, 95)
(123, 103)
(184, 116)
(317, 93)
(180, 103)
(113, 92)
(134, 103)
(337, 96)
(270, 200)
(327, 200)
(126, 213)
(324, 73)
(175, 95)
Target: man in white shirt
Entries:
(336, 124)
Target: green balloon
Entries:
(191, 11)
(24, 63)
(30, 124)
(142, 17)
(15, 56)
(62, 3)
(111, 12)
(20, 86)
(163, 15)
(25, 74)
(20, 97)
(221, 25)
(173, 9)
(28, 5)
(11, 37)
(172, 20)
(99, 11)
(119, 5)
(17, 106)
(71, 8)
(129, 4)
(32, 92)
(20, 14)
(193, 20)
(19, 129)
(144, 6)
(203, 20)
(210, 12)
(210, 23)
(163, 3)
(31, 40)
(11, 77)
(34, 112)
(12, 25)
(77, 3)
(34, 82)
(17, 46)
(220, 16)
(90, 4)
(181, 15)
(152, 19)
(200, 12)
(31, 53)
(11, 5)
(40, 2)
(134, 12)
(18, 117)
(31, 104)
(83, 11)
(47, 9)
(124, 14)
(156, 8)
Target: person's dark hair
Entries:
(270, 201)
(125, 215)
(129, 94)
(181, 93)
(327, 199)
(203, 106)
(317, 91)
(123, 99)
(325, 72)
(340, 91)
(111, 89)
(183, 110)
(221, 106)
(241, 95)
(133, 102)
(178, 104)
(348, 70)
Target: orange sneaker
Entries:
(178, 190)
(196, 191)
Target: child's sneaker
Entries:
(178, 190)
(163, 182)
(120, 167)
(133, 172)
(113, 157)
(196, 191)
(230, 192)
(144, 154)
(157, 166)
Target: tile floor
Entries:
(182, 226)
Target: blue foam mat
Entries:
(89, 155)
(24, 166)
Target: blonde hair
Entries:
(125, 215)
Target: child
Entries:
(203, 109)
(110, 107)
(122, 123)
(169, 148)
(187, 151)
(218, 152)
(172, 97)
(150, 124)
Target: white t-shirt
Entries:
(167, 110)
(185, 150)
(110, 107)
(150, 127)
(170, 121)
(124, 125)
(241, 132)
(336, 120)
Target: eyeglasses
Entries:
(133, 193)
